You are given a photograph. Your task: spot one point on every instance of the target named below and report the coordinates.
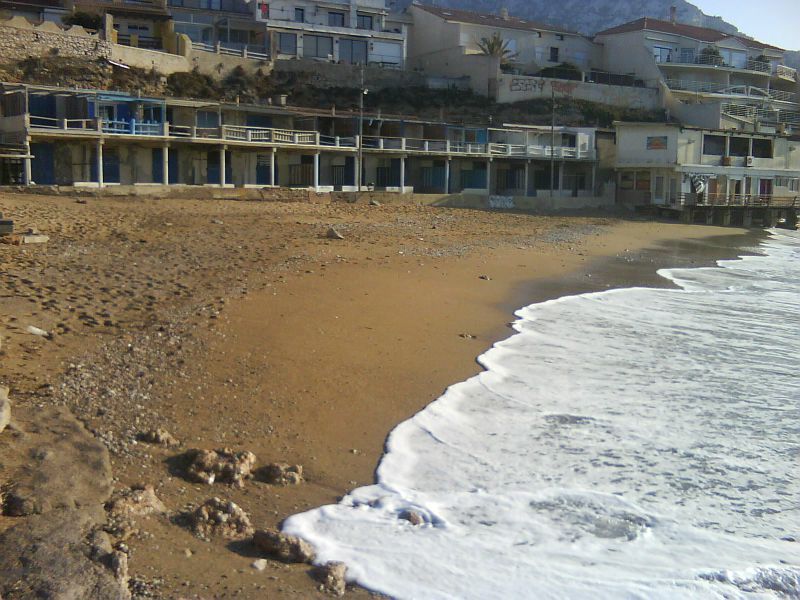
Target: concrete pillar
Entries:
(316, 172)
(402, 174)
(560, 178)
(222, 166)
(594, 181)
(100, 181)
(447, 176)
(26, 166)
(272, 167)
(747, 220)
(165, 164)
(489, 176)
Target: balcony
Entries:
(746, 91)
(785, 72)
(712, 60)
(762, 115)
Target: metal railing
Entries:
(240, 133)
(715, 60)
(764, 115)
(708, 87)
(233, 49)
(746, 200)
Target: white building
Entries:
(709, 78)
(670, 164)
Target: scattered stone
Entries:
(334, 235)
(36, 331)
(412, 517)
(224, 465)
(467, 336)
(374, 202)
(282, 474)
(81, 201)
(5, 408)
(217, 222)
(283, 547)
(485, 278)
(187, 553)
(260, 564)
(159, 436)
(331, 576)
(223, 518)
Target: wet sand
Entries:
(241, 325)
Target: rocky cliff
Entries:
(588, 17)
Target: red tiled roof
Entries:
(464, 16)
(704, 34)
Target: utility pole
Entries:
(552, 139)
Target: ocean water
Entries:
(635, 443)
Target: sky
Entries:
(775, 22)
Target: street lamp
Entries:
(362, 92)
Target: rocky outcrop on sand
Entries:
(226, 466)
(331, 576)
(61, 556)
(220, 518)
(64, 467)
(281, 474)
(283, 547)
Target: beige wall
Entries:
(515, 88)
(163, 62)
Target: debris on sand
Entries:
(283, 547)
(281, 474)
(220, 518)
(225, 465)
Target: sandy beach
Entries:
(242, 325)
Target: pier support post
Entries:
(527, 178)
(560, 177)
(402, 174)
(489, 177)
(447, 176)
(272, 167)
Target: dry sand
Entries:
(242, 325)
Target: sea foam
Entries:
(635, 443)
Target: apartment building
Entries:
(92, 138)
(673, 165)
(709, 78)
(350, 32)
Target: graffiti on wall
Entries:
(537, 84)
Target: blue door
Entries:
(110, 165)
(212, 171)
(263, 169)
(43, 170)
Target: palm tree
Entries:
(498, 47)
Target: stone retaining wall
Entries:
(19, 39)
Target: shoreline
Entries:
(305, 350)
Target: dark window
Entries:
(553, 54)
(353, 52)
(740, 146)
(287, 43)
(559, 36)
(569, 140)
(336, 19)
(714, 145)
(364, 21)
(762, 148)
(300, 15)
(317, 46)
